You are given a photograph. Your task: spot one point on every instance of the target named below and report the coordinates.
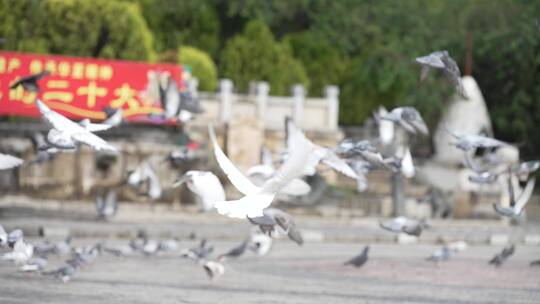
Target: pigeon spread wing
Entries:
(336, 163)
(239, 180)
(92, 141)
(8, 161)
(294, 166)
(525, 195)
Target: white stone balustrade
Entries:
(313, 114)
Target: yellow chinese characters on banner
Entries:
(82, 87)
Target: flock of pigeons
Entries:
(34, 258)
(263, 184)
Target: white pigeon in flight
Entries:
(94, 127)
(259, 174)
(9, 162)
(318, 154)
(205, 185)
(256, 199)
(66, 134)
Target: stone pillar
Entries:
(263, 88)
(331, 93)
(398, 194)
(225, 100)
(299, 95)
(193, 86)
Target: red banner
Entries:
(82, 87)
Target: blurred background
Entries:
(157, 73)
(326, 63)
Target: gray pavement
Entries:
(311, 274)
(79, 220)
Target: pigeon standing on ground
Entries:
(273, 218)
(30, 83)
(408, 118)
(535, 263)
(441, 60)
(64, 273)
(36, 264)
(359, 260)
(501, 257)
(440, 255)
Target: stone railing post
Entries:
(225, 100)
(299, 96)
(331, 93)
(261, 99)
(193, 86)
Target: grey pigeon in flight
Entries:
(441, 60)
(30, 83)
(200, 252)
(273, 218)
(402, 224)
(359, 260)
(467, 142)
(517, 203)
(14, 236)
(501, 257)
(524, 169)
(408, 118)
(234, 252)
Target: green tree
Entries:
(202, 66)
(99, 28)
(255, 55)
(323, 63)
(185, 22)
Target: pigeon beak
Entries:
(179, 182)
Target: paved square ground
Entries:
(311, 274)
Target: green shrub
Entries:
(324, 64)
(201, 65)
(99, 28)
(255, 55)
